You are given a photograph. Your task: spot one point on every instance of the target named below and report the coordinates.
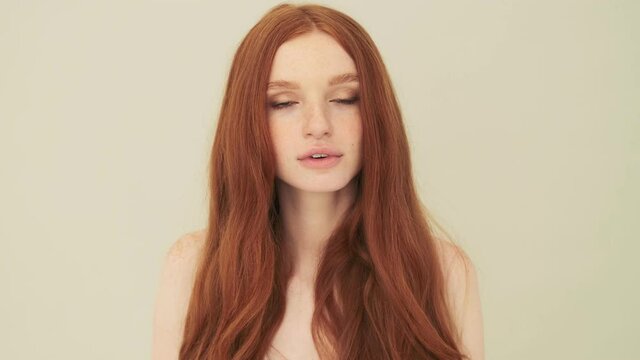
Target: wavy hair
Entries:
(380, 290)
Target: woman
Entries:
(317, 245)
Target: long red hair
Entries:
(380, 290)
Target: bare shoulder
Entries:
(187, 248)
(463, 295)
(181, 260)
(174, 291)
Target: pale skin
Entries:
(312, 201)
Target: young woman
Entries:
(317, 245)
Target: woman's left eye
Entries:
(347, 101)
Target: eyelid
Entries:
(347, 101)
(281, 104)
(278, 105)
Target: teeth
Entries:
(318, 156)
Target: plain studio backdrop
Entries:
(523, 119)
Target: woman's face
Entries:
(310, 108)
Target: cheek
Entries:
(355, 133)
(275, 132)
(280, 140)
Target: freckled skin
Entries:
(314, 117)
(312, 201)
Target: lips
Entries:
(320, 150)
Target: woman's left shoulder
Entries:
(463, 295)
(455, 261)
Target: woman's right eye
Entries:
(281, 105)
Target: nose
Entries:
(317, 122)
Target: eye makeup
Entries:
(277, 105)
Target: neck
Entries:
(308, 219)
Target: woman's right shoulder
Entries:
(181, 264)
(187, 248)
(174, 292)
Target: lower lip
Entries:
(324, 163)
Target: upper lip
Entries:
(320, 150)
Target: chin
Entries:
(321, 184)
(321, 188)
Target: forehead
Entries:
(310, 57)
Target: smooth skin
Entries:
(311, 111)
(178, 275)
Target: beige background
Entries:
(524, 121)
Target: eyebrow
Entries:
(336, 80)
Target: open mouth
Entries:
(321, 162)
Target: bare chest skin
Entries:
(293, 338)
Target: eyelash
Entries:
(283, 105)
